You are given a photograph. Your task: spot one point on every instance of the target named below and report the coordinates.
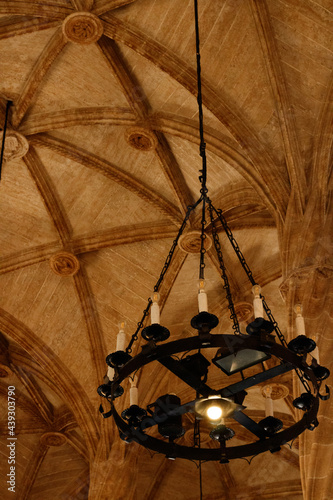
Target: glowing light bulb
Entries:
(214, 412)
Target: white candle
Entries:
(258, 308)
(269, 407)
(155, 313)
(134, 396)
(202, 297)
(110, 374)
(121, 337)
(300, 326)
(202, 301)
(155, 309)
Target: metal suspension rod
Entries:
(203, 177)
(202, 148)
(9, 103)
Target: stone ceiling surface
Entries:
(100, 163)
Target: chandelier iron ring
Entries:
(152, 352)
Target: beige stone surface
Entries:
(100, 164)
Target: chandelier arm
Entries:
(178, 369)
(253, 380)
(226, 286)
(249, 424)
(140, 324)
(9, 103)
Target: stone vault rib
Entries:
(169, 62)
(279, 89)
(34, 9)
(21, 25)
(186, 129)
(109, 170)
(47, 190)
(62, 378)
(41, 67)
(141, 108)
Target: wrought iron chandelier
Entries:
(233, 354)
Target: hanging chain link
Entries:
(140, 324)
(234, 245)
(226, 286)
(273, 320)
(190, 209)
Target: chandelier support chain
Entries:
(226, 286)
(139, 327)
(190, 209)
(140, 324)
(249, 274)
(248, 271)
(234, 245)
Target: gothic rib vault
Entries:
(101, 161)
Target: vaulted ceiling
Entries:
(100, 164)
